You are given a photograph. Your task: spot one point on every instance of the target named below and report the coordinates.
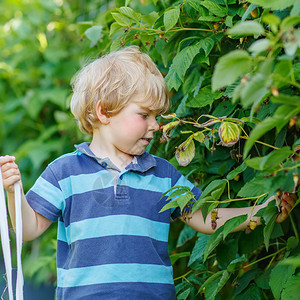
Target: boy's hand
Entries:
(288, 200)
(10, 172)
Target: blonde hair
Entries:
(113, 80)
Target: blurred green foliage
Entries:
(233, 71)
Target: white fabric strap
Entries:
(19, 234)
(4, 231)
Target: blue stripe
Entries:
(182, 181)
(117, 225)
(100, 251)
(86, 182)
(61, 232)
(149, 182)
(46, 190)
(113, 273)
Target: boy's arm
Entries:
(196, 221)
(34, 224)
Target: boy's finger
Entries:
(5, 159)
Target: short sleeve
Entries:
(46, 196)
(179, 180)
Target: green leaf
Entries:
(232, 174)
(171, 17)
(269, 217)
(206, 195)
(172, 79)
(150, 18)
(237, 262)
(230, 67)
(260, 46)
(272, 4)
(174, 257)
(198, 250)
(184, 58)
(233, 223)
(214, 8)
(215, 286)
(207, 45)
(93, 34)
(229, 133)
(286, 99)
(209, 19)
(199, 136)
(213, 241)
(278, 120)
(246, 28)
(121, 19)
(204, 97)
(292, 288)
(130, 13)
(185, 152)
(289, 22)
(292, 243)
(272, 20)
(280, 275)
(273, 159)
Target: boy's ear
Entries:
(102, 117)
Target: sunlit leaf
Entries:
(185, 152)
(229, 133)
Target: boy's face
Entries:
(132, 129)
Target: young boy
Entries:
(112, 240)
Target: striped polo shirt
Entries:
(112, 241)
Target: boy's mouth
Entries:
(147, 140)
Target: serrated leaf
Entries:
(130, 13)
(184, 58)
(204, 97)
(238, 261)
(233, 223)
(213, 242)
(172, 79)
(273, 159)
(150, 18)
(209, 19)
(230, 67)
(185, 152)
(246, 28)
(121, 19)
(199, 248)
(279, 276)
(214, 8)
(207, 45)
(171, 17)
(215, 286)
(229, 133)
(114, 28)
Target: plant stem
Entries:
(263, 258)
(294, 227)
(184, 275)
(240, 199)
(265, 144)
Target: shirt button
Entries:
(104, 164)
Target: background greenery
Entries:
(233, 71)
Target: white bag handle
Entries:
(4, 231)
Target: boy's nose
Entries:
(154, 126)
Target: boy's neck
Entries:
(102, 149)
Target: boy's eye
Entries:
(144, 115)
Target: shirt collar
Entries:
(140, 163)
